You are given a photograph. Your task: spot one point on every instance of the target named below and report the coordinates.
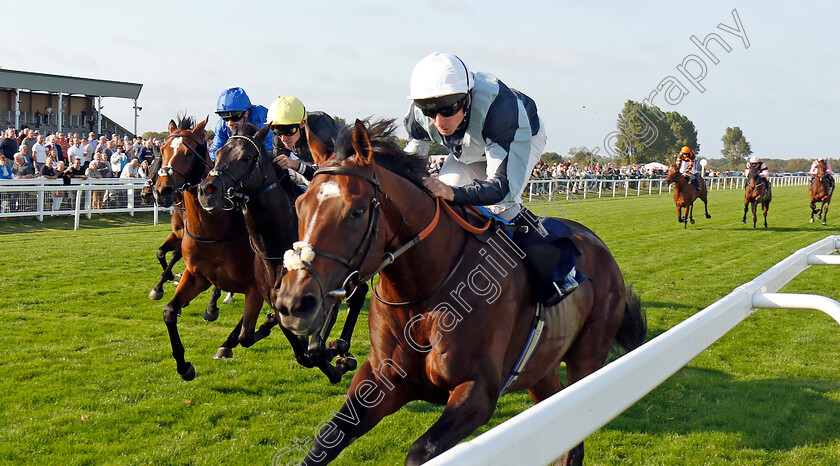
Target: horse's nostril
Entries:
(306, 304)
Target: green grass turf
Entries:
(87, 376)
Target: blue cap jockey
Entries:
(234, 108)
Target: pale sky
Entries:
(580, 62)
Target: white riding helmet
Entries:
(439, 74)
(755, 159)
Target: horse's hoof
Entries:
(346, 364)
(228, 298)
(189, 374)
(210, 315)
(156, 295)
(708, 216)
(224, 353)
(176, 277)
(692, 221)
(744, 222)
(811, 221)
(824, 224)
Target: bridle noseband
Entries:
(167, 170)
(234, 194)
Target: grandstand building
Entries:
(62, 103)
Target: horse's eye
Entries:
(358, 212)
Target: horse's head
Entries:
(147, 194)
(753, 175)
(338, 230)
(674, 174)
(822, 168)
(241, 167)
(184, 160)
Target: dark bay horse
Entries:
(756, 192)
(215, 248)
(244, 177)
(821, 190)
(453, 309)
(685, 195)
(172, 244)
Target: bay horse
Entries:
(685, 195)
(821, 191)
(244, 177)
(453, 309)
(756, 192)
(172, 244)
(215, 248)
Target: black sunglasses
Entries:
(285, 130)
(446, 111)
(231, 116)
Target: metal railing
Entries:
(41, 197)
(544, 432)
(576, 188)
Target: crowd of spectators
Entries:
(30, 154)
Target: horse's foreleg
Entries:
(471, 405)
(171, 243)
(813, 211)
(765, 207)
(754, 216)
(340, 348)
(679, 214)
(253, 306)
(299, 345)
(226, 350)
(689, 213)
(211, 313)
(157, 291)
(746, 209)
(369, 399)
(189, 287)
(825, 213)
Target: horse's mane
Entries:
(386, 151)
(185, 122)
(246, 129)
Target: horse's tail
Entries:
(633, 328)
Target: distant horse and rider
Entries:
(821, 189)
(689, 186)
(757, 190)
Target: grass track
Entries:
(87, 376)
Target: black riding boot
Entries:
(543, 260)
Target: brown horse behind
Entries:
(172, 244)
(215, 248)
(821, 190)
(756, 192)
(453, 309)
(685, 195)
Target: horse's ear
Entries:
(261, 134)
(172, 126)
(199, 128)
(320, 153)
(361, 143)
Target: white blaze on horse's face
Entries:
(328, 190)
(302, 252)
(176, 142)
